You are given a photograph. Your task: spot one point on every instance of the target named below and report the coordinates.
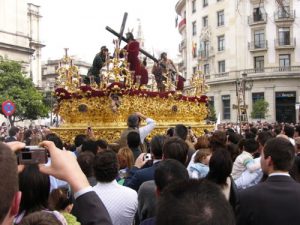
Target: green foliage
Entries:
(211, 113)
(260, 109)
(21, 90)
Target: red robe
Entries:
(180, 83)
(133, 49)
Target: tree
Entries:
(260, 109)
(21, 90)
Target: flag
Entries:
(218, 121)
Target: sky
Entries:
(80, 25)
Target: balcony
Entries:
(284, 16)
(182, 45)
(257, 19)
(269, 71)
(255, 46)
(182, 25)
(205, 54)
(179, 6)
(221, 75)
(285, 43)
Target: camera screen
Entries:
(26, 155)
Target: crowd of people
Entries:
(227, 176)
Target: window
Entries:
(284, 36)
(259, 39)
(259, 64)
(205, 21)
(255, 97)
(221, 43)
(257, 15)
(226, 107)
(221, 65)
(194, 28)
(205, 3)
(284, 12)
(220, 16)
(284, 62)
(194, 69)
(193, 6)
(206, 69)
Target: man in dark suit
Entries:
(13, 134)
(276, 200)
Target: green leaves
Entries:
(21, 90)
(260, 109)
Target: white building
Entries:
(20, 35)
(257, 38)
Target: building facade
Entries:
(20, 35)
(254, 41)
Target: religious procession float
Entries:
(106, 104)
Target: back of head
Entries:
(181, 131)
(234, 137)
(56, 139)
(133, 139)
(282, 153)
(86, 163)
(79, 139)
(156, 146)
(220, 166)
(125, 158)
(169, 171)
(202, 154)
(263, 137)
(133, 121)
(60, 199)
(35, 188)
(90, 145)
(194, 202)
(41, 218)
(106, 166)
(250, 145)
(13, 131)
(170, 131)
(289, 131)
(102, 144)
(129, 36)
(9, 179)
(175, 148)
(218, 139)
(202, 142)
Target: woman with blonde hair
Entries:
(126, 162)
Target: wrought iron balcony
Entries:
(283, 15)
(285, 43)
(257, 18)
(258, 45)
(272, 70)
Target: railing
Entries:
(285, 42)
(273, 69)
(257, 45)
(221, 75)
(182, 45)
(257, 18)
(282, 15)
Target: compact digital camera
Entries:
(32, 155)
(147, 156)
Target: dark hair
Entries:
(129, 36)
(86, 161)
(295, 170)
(297, 129)
(27, 136)
(220, 166)
(218, 139)
(191, 202)
(59, 199)
(35, 188)
(250, 145)
(102, 144)
(133, 139)
(106, 166)
(289, 131)
(79, 139)
(234, 151)
(56, 139)
(9, 179)
(133, 121)
(40, 218)
(234, 137)
(13, 131)
(176, 148)
(263, 136)
(181, 131)
(170, 131)
(249, 134)
(163, 54)
(90, 146)
(282, 153)
(156, 146)
(169, 171)
(277, 129)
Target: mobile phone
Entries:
(32, 155)
(147, 157)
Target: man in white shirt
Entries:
(121, 202)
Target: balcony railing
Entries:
(257, 45)
(257, 18)
(272, 70)
(285, 43)
(283, 15)
(221, 75)
(182, 45)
